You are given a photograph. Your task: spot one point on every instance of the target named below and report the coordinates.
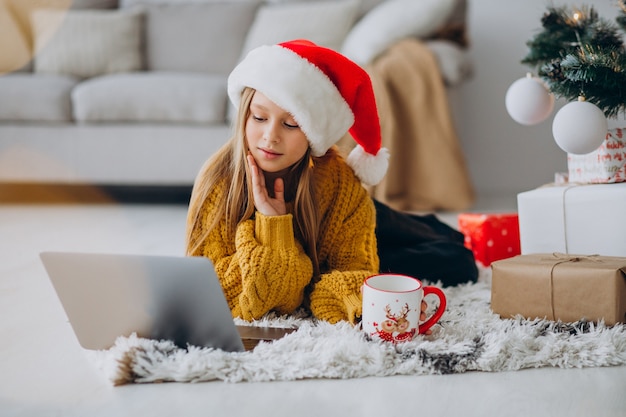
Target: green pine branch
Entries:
(597, 74)
(578, 53)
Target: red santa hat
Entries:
(326, 93)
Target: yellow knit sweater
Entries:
(266, 269)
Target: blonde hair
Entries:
(229, 165)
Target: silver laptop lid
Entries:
(160, 297)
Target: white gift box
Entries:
(607, 164)
(577, 219)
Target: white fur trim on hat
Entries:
(299, 87)
(369, 168)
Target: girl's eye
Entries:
(292, 126)
(258, 118)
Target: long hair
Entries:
(228, 168)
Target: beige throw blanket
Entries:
(427, 169)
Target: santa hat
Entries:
(326, 93)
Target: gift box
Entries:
(490, 236)
(584, 219)
(607, 164)
(560, 287)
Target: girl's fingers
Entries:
(262, 201)
(424, 307)
(254, 173)
(279, 190)
(253, 168)
(258, 182)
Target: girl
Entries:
(282, 216)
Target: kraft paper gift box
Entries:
(582, 219)
(560, 287)
(490, 236)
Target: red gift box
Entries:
(491, 236)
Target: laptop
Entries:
(157, 297)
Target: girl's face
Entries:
(274, 138)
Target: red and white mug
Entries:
(392, 307)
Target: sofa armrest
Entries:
(454, 63)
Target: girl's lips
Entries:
(269, 153)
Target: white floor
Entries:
(44, 372)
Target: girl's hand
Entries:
(265, 204)
(423, 315)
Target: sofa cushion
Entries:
(133, 3)
(151, 97)
(393, 20)
(364, 7)
(197, 37)
(94, 4)
(23, 9)
(88, 43)
(41, 98)
(323, 22)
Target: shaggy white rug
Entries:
(469, 338)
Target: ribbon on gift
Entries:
(561, 258)
(564, 206)
(564, 223)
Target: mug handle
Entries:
(440, 310)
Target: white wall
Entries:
(504, 157)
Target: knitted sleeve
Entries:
(347, 251)
(264, 269)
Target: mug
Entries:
(392, 307)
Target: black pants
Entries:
(423, 247)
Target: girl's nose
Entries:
(271, 133)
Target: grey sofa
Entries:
(134, 92)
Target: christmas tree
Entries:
(578, 53)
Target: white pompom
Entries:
(579, 127)
(369, 168)
(529, 101)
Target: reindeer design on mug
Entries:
(396, 327)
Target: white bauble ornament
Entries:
(579, 127)
(528, 101)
